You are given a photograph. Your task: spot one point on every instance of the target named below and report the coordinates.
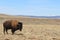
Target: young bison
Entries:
(13, 25)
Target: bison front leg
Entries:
(12, 30)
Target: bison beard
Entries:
(8, 25)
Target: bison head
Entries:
(20, 25)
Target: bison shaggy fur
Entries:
(13, 25)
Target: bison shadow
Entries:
(19, 34)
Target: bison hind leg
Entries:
(7, 31)
(4, 30)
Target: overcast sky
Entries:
(30, 7)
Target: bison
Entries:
(13, 25)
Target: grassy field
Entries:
(33, 29)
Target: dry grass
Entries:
(34, 29)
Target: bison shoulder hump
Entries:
(14, 23)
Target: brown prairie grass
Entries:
(34, 29)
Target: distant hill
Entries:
(54, 17)
(18, 16)
(58, 17)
